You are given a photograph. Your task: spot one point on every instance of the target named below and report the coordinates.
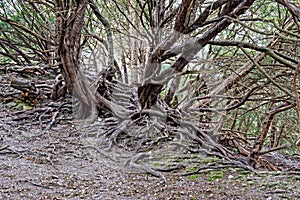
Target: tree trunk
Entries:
(70, 19)
(149, 92)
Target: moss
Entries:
(192, 169)
(216, 175)
(193, 177)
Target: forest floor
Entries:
(64, 163)
(42, 159)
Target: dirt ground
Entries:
(63, 163)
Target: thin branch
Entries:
(109, 36)
(276, 55)
(267, 75)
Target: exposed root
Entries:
(104, 153)
(124, 124)
(133, 162)
(221, 165)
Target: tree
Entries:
(256, 55)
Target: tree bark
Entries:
(70, 21)
(149, 92)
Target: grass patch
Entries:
(192, 169)
(193, 177)
(216, 175)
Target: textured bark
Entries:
(69, 26)
(148, 92)
(258, 145)
(183, 16)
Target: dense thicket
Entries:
(220, 77)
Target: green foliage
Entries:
(193, 177)
(192, 169)
(20, 105)
(156, 164)
(235, 150)
(214, 175)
